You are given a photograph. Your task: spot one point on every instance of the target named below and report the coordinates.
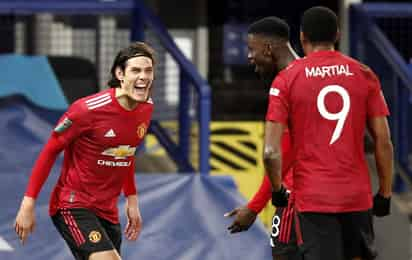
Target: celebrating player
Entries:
(99, 135)
(270, 52)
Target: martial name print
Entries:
(328, 71)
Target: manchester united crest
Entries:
(141, 130)
(95, 236)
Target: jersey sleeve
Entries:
(278, 107)
(262, 196)
(43, 165)
(70, 126)
(129, 184)
(376, 103)
(75, 121)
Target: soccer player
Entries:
(99, 135)
(327, 100)
(270, 52)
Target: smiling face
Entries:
(137, 78)
(259, 55)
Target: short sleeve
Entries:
(278, 107)
(72, 124)
(376, 103)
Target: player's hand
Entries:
(134, 223)
(243, 219)
(381, 205)
(280, 198)
(25, 219)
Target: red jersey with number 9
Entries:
(326, 99)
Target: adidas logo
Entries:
(110, 133)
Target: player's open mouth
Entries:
(140, 91)
(140, 88)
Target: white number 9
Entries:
(341, 115)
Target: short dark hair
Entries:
(135, 49)
(320, 24)
(271, 26)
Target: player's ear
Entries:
(302, 38)
(337, 36)
(304, 42)
(119, 73)
(268, 49)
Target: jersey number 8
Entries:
(339, 116)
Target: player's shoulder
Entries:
(290, 70)
(295, 66)
(87, 104)
(362, 68)
(97, 100)
(367, 71)
(355, 63)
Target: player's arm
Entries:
(245, 216)
(129, 184)
(264, 193)
(272, 155)
(379, 129)
(134, 218)
(262, 196)
(69, 127)
(25, 219)
(276, 122)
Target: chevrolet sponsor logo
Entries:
(120, 152)
(113, 163)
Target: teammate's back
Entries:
(328, 100)
(331, 98)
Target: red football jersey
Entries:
(326, 99)
(99, 138)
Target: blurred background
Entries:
(203, 154)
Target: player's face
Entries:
(137, 78)
(258, 55)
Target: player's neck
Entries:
(289, 55)
(321, 47)
(124, 100)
